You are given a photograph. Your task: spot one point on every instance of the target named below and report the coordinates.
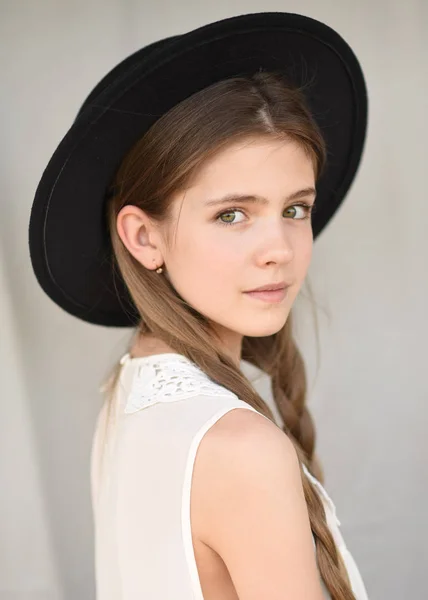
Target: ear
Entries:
(140, 236)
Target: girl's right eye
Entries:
(231, 211)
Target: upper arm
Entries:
(248, 505)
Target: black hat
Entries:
(71, 254)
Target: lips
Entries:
(270, 287)
(270, 296)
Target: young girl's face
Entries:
(221, 251)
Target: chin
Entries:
(260, 329)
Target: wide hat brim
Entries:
(69, 244)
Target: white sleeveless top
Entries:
(163, 406)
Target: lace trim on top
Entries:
(181, 379)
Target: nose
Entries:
(275, 245)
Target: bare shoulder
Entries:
(248, 505)
(249, 438)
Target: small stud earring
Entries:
(159, 270)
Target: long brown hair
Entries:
(161, 163)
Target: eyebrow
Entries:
(309, 191)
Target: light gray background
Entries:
(368, 391)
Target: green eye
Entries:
(307, 208)
(231, 213)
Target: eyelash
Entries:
(310, 209)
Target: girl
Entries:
(182, 203)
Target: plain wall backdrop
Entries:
(367, 389)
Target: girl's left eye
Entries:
(308, 210)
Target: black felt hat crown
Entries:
(71, 255)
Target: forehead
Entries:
(253, 166)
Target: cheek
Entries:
(304, 257)
(201, 270)
(216, 255)
(306, 251)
